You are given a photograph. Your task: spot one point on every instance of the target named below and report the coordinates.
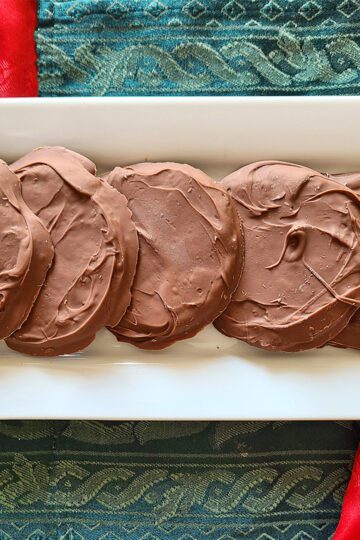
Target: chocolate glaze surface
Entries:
(350, 180)
(96, 246)
(300, 284)
(25, 256)
(190, 255)
(350, 336)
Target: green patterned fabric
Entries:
(177, 47)
(183, 481)
(172, 481)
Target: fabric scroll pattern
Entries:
(180, 481)
(198, 47)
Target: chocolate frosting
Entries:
(190, 252)
(350, 180)
(96, 246)
(350, 336)
(25, 257)
(300, 284)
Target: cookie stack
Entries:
(156, 251)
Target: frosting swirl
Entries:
(95, 241)
(25, 256)
(190, 254)
(300, 284)
(350, 335)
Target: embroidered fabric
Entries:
(89, 480)
(198, 47)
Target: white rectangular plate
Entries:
(209, 376)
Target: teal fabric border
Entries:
(173, 481)
(198, 47)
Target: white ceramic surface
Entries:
(209, 376)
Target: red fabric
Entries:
(349, 525)
(18, 71)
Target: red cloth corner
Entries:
(18, 70)
(349, 525)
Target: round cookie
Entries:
(350, 336)
(301, 280)
(190, 252)
(25, 256)
(96, 246)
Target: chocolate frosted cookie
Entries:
(190, 252)
(301, 280)
(350, 336)
(25, 256)
(95, 241)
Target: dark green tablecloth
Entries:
(187, 481)
(168, 481)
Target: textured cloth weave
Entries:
(172, 481)
(179, 47)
